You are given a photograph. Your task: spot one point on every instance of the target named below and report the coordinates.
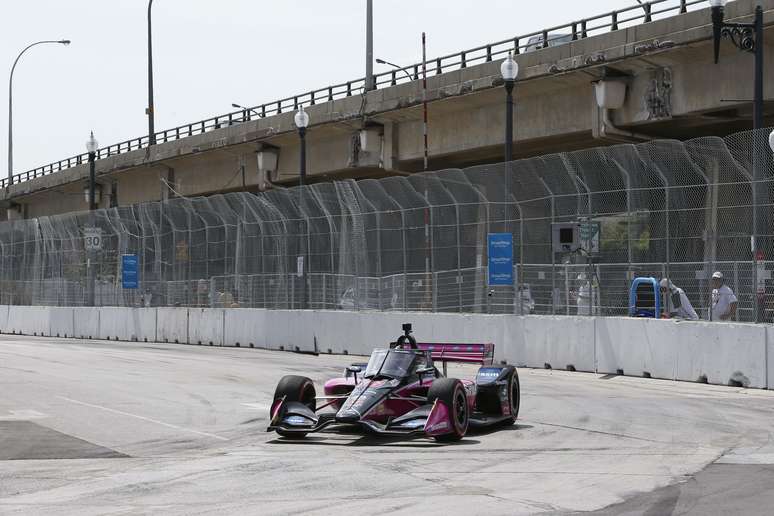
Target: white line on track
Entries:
(162, 423)
(23, 415)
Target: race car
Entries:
(401, 392)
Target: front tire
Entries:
(514, 395)
(451, 392)
(295, 388)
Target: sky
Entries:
(210, 53)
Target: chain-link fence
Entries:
(418, 242)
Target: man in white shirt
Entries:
(723, 299)
(587, 297)
(676, 303)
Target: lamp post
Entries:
(747, 37)
(91, 147)
(302, 122)
(383, 62)
(370, 84)
(10, 101)
(510, 70)
(149, 109)
(245, 109)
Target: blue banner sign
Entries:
(129, 278)
(500, 270)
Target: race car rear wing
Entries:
(465, 353)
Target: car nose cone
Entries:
(347, 416)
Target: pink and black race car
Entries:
(401, 392)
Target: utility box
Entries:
(566, 237)
(267, 160)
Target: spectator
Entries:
(587, 297)
(676, 302)
(234, 299)
(723, 299)
(225, 299)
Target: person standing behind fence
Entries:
(587, 296)
(676, 302)
(723, 299)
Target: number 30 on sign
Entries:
(92, 238)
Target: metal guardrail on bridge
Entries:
(587, 27)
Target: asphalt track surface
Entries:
(91, 427)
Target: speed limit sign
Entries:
(92, 238)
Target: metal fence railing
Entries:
(672, 209)
(588, 27)
(545, 290)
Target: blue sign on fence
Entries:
(129, 278)
(500, 270)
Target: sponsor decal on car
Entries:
(414, 423)
(442, 425)
(296, 420)
(488, 373)
(488, 376)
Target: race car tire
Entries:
(514, 395)
(451, 392)
(296, 388)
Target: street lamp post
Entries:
(245, 110)
(302, 122)
(383, 62)
(91, 147)
(149, 110)
(370, 84)
(510, 70)
(747, 37)
(10, 102)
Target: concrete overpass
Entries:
(662, 53)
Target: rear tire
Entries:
(451, 393)
(296, 388)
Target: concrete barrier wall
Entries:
(637, 346)
(245, 327)
(61, 322)
(205, 326)
(129, 324)
(86, 322)
(342, 332)
(28, 320)
(770, 357)
(4, 318)
(736, 354)
(172, 325)
(557, 341)
(724, 353)
(290, 330)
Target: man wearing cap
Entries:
(723, 299)
(677, 303)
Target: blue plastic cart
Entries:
(644, 298)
